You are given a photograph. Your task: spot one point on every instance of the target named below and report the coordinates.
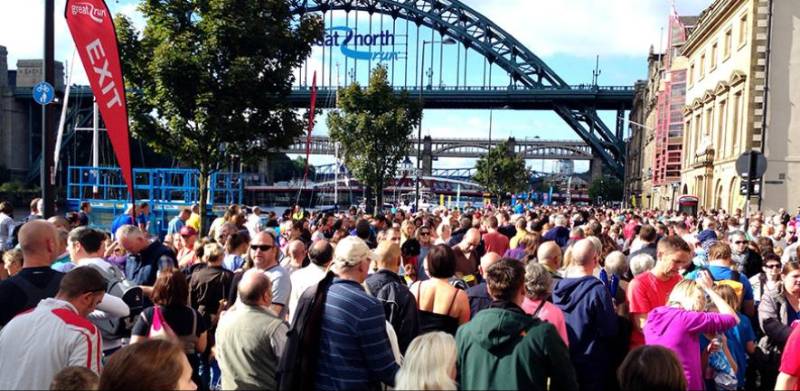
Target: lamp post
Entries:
(446, 41)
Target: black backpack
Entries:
(130, 293)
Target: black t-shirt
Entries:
(14, 300)
(179, 319)
(207, 287)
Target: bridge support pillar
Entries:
(596, 167)
(511, 145)
(427, 156)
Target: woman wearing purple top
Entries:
(678, 325)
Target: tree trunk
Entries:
(378, 199)
(202, 182)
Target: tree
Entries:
(207, 80)
(605, 188)
(501, 171)
(373, 126)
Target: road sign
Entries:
(759, 164)
(755, 187)
(43, 93)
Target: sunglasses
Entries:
(424, 233)
(262, 247)
(740, 242)
(773, 266)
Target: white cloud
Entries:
(585, 27)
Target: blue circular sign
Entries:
(43, 93)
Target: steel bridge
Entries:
(433, 148)
(532, 84)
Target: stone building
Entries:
(728, 110)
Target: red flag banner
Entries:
(310, 122)
(92, 29)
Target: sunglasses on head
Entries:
(262, 247)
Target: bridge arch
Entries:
(452, 147)
(456, 20)
(531, 151)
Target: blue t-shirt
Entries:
(233, 262)
(175, 226)
(719, 273)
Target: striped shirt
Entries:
(354, 349)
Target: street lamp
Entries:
(446, 41)
(675, 186)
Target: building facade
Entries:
(725, 101)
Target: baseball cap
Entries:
(188, 231)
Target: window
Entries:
(726, 50)
(737, 114)
(742, 30)
(691, 74)
(702, 66)
(713, 64)
(721, 130)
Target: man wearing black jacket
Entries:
(399, 304)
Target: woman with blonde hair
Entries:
(429, 364)
(679, 324)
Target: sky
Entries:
(568, 35)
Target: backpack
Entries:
(130, 293)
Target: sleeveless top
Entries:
(430, 321)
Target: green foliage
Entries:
(605, 188)
(208, 79)
(373, 126)
(14, 187)
(501, 172)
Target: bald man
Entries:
(479, 298)
(36, 281)
(250, 338)
(589, 315)
(466, 253)
(295, 258)
(549, 256)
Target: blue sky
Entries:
(566, 34)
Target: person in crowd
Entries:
(538, 289)
(124, 218)
(636, 372)
(490, 359)
(263, 253)
(399, 305)
(559, 233)
(493, 240)
(589, 313)
(235, 250)
(678, 324)
(789, 376)
(424, 236)
(777, 312)
(466, 254)
(147, 257)
(429, 363)
(36, 345)
(7, 225)
(187, 255)
(86, 247)
(521, 230)
(747, 261)
(320, 254)
(549, 255)
(720, 266)
(641, 263)
(442, 307)
(250, 337)
(36, 281)
(443, 233)
(224, 232)
(354, 350)
(12, 262)
(741, 340)
(170, 296)
(62, 262)
(176, 223)
(155, 364)
(75, 378)
(295, 257)
(478, 295)
(769, 279)
(648, 240)
(651, 289)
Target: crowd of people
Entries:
(508, 297)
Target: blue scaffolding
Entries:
(165, 189)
